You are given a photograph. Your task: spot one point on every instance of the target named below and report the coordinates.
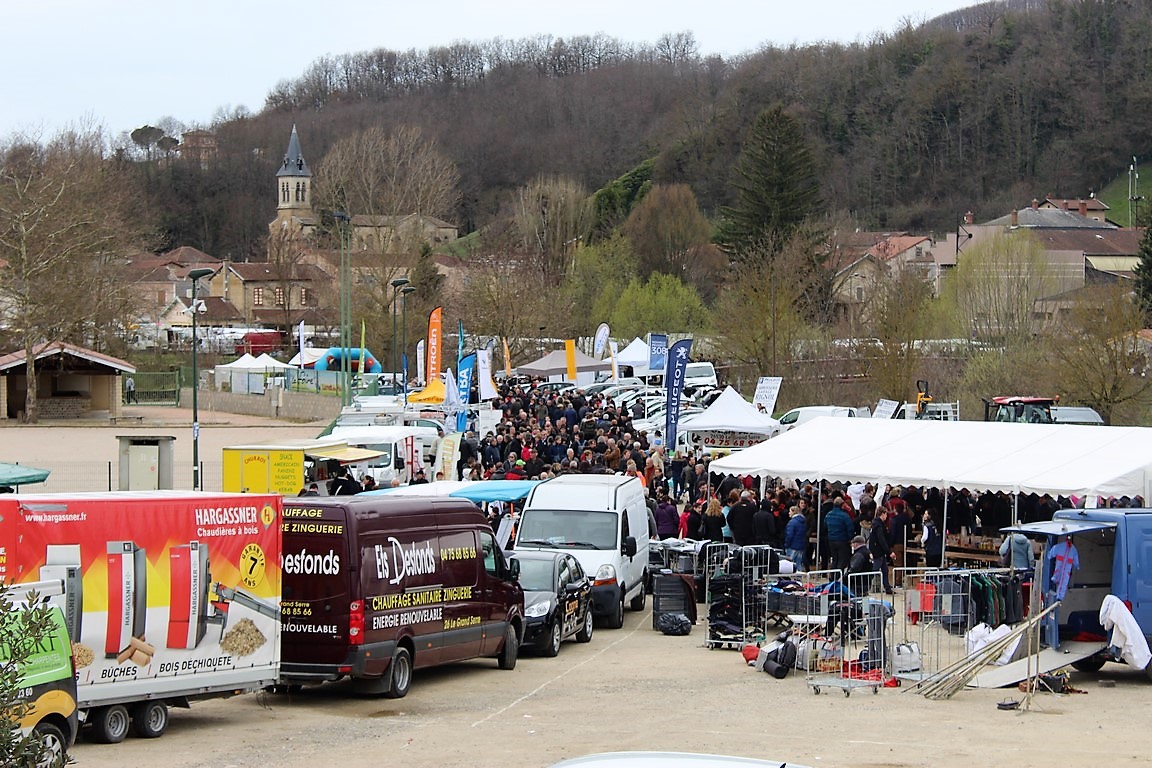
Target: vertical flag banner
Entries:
(363, 353)
(507, 359)
(674, 382)
(300, 338)
(614, 350)
(657, 353)
(420, 358)
(460, 342)
(570, 358)
(601, 340)
(484, 375)
(767, 390)
(464, 384)
(435, 340)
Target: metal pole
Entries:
(407, 289)
(195, 275)
(345, 311)
(392, 344)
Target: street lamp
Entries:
(342, 222)
(397, 284)
(195, 276)
(404, 293)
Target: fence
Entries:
(152, 387)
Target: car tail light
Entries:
(356, 623)
(1128, 605)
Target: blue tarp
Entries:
(479, 491)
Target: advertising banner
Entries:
(420, 358)
(570, 359)
(484, 375)
(601, 340)
(767, 390)
(464, 385)
(657, 352)
(674, 382)
(163, 593)
(614, 350)
(435, 341)
(885, 409)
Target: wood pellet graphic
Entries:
(242, 639)
(138, 652)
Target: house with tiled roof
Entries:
(277, 295)
(72, 382)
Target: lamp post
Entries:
(404, 293)
(195, 276)
(342, 222)
(397, 284)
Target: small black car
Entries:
(557, 600)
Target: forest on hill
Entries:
(981, 109)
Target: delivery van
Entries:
(1113, 547)
(377, 587)
(47, 680)
(167, 596)
(602, 520)
(798, 416)
(400, 452)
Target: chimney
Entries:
(1035, 203)
(1084, 208)
(1063, 205)
(1015, 219)
(969, 218)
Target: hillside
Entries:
(980, 110)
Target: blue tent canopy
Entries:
(478, 491)
(18, 474)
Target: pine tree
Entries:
(1143, 272)
(777, 191)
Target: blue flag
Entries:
(464, 384)
(657, 353)
(674, 383)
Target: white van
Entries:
(702, 374)
(798, 416)
(602, 521)
(402, 452)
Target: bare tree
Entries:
(1100, 359)
(65, 223)
(552, 216)
(994, 287)
(669, 234)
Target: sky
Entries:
(121, 64)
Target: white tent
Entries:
(730, 412)
(244, 362)
(268, 363)
(555, 363)
(634, 355)
(309, 358)
(1061, 459)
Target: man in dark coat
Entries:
(742, 520)
(764, 522)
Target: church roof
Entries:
(294, 164)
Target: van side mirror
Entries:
(629, 548)
(399, 462)
(514, 569)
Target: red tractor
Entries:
(1024, 410)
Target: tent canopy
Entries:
(435, 392)
(1061, 459)
(244, 362)
(18, 474)
(556, 363)
(730, 412)
(477, 491)
(267, 362)
(307, 357)
(635, 354)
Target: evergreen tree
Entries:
(1143, 272)
(777, 190)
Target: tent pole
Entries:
(944, 532)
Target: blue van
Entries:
(1114, 547)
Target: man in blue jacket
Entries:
(841, 528)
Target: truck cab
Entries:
(1022, 410)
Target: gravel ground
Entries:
(635, 689)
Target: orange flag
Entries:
(435, 334)
(570, 358)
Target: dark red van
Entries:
(377, 587)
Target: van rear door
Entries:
(318, 570)
(1138, 532)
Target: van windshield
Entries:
(385, 457)
(699, 370)
(578, 529)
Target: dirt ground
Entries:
(635, 689)
(629, 689)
